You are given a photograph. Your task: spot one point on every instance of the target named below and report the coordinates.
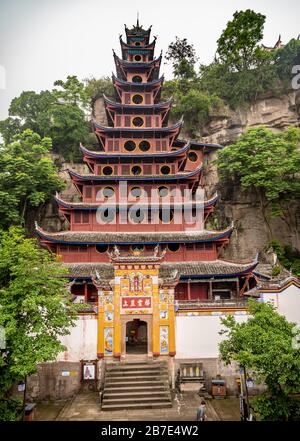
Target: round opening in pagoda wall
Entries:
(107, 170)
(108, 192)
(138, 121)
(193, 156)
(137, 99)
(165, 170)
(166, 215)
(144, 146)
(129, 146)
(137, 58)
(173, 247)
(163, 191)
(136, 192)
(137, 216)
(107, 215)
(101, 248)
(136, 170)
(137, 79)
(137, 43)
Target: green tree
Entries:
(237, 45)
(59, 114)
(72, 91)
(267, 163)
(28, 177)
(96, 88)
(34, 311)
(264, 346)
(183, 58)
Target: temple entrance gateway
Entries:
(136, 337)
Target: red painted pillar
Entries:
(189, 291)
(85, 293)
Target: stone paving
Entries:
(85, 407)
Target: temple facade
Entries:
(137, 249)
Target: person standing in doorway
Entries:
(201, 411)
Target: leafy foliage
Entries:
(34, 311)
(28, 177)
(237, 45)
(288, 256)
(183, 57)
(96, 88)
(266, 162)
(263, 344)
(59, 114)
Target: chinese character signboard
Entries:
(136, 304)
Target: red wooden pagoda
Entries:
(132, 199)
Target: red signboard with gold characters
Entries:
(136, 302)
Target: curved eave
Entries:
(211, 202)
(54, 238)
(94, 206)
(91, 178)
(114, 105)
(137, 86)
(128, 46)
(119, 130)
(134, 64)
(100, 155)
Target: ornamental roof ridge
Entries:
(137, 256)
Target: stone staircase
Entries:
(136, 385)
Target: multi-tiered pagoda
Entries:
(137, 246)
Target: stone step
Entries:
(140, 393)
(161, 405)
(131, 366)
(134, 374)
(147, 382)
(143, 387)
(136, 377)
(133, 400)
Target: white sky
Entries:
(45, 40)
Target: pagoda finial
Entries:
(137, 19)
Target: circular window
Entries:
(129, 146)
(101, 248)
(137, 43)
(107, 170)
(166, 215)
(107, 215)
(137, 99)
(173, 247)
(193, 156)
(163, 192)
(137, 215)
(165, 169)
(144, 146)
(137, 79)
(138, 121)
(137, 58)
(108, 192)
(136, 170)
(136, 192)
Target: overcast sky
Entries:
(45, 40)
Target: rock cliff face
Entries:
(253, 230)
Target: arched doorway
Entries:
(136, 337)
